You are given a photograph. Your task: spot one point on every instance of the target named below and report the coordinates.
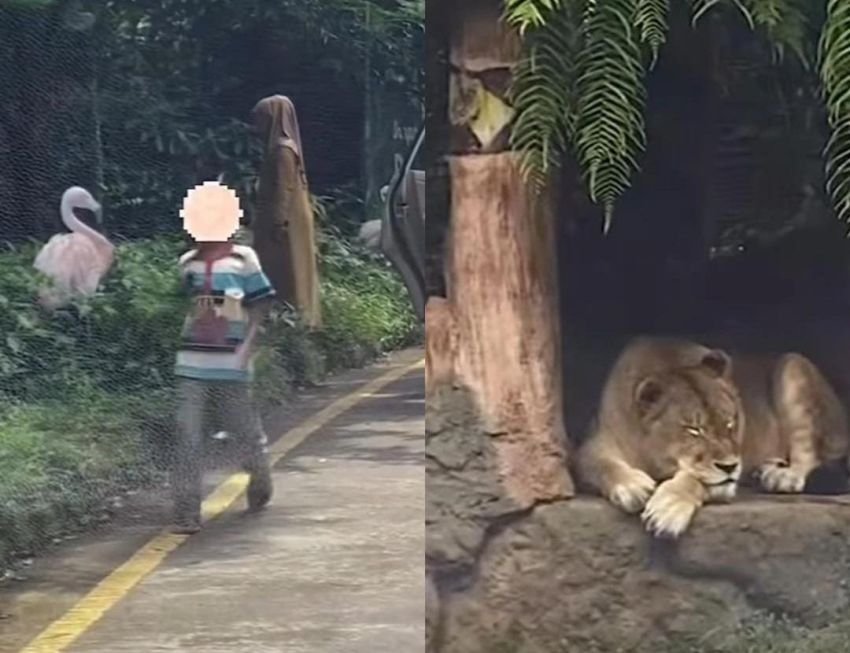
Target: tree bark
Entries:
(440, 344)
(504, 321)
(497, 331)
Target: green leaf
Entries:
(785, 23)
(544, 94)
(835, 77)
(525, 14)
(651, 21)
(14, 343)
(701, 8)
(610, 128)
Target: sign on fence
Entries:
(393, 119)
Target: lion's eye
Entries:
(694, 431)
(730, 425)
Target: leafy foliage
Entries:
(588, 99)
(785, 22)
(609, 126)
(155, 96)
(124, 338)
(138, 101)
(651, 21)
(371, 310)
(835, 73)
(545, 123)
(530, 13)
(580, 87)
(87, 395)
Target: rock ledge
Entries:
(580, 576)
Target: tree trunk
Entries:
(497, 333)
(504, 317)
(440, 343)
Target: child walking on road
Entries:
(229, 293)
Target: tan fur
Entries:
(679, 425)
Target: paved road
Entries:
(335, 565)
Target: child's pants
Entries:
(233, 403)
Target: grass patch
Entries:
(767, 634)
(60, 461)
(87, 396)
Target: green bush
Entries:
(366, 307)
(86, 394)
(124, 338)
(59, 461)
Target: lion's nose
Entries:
(727, 468)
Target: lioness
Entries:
(676, 429)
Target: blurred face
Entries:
(211, 212)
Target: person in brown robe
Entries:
(284, 233)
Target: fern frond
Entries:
(837, 154)
(651, 21)
(539, 128)
(611, 96)
(702, 7)
(543, 94)
(523, 14)
(835, 77)
(785, 23)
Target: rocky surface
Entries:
(579, 576)
(464, 496)
(432, 615)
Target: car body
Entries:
(401, 236)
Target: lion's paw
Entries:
(777, 476)
(668, 513)
(632, 493)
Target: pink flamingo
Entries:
(76, 262)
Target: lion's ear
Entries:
(648, 394)
(718, 363)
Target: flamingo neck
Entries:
(78, 226)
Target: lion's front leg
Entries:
(625, 486)
(630, 488)
(777, 475)
(669, 511)
(813, 423)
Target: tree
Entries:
(153, 96)
(496, 332)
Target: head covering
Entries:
(276, 120)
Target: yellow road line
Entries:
(59, 635)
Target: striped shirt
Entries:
(218, 321)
